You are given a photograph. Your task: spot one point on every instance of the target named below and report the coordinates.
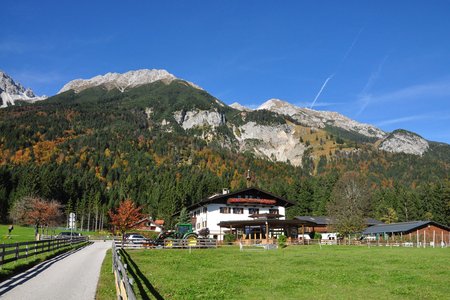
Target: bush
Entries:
(317, 236)
(282, 241)
(229, 238)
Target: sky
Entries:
(386, 63)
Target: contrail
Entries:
(321, 89)
(355, 40)
(344, 58)
(365, 97)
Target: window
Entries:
(205, 210)
(198, 225)
(274, 211)
(225, 210)
(253, 211)
(238, 211)
(204, 224)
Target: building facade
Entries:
(242, 205)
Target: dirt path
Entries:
(72, 275)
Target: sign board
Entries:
(72, 220)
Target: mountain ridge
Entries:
(268, 142)
(12, 91)
(122, 81)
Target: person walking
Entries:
(10, 228)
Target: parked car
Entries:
(136, 239)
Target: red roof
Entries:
(159, 222)
(251, 201)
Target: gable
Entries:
(245, 197)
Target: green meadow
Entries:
(296, 272)
(25, 233)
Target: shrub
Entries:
(282, 241)
(317, 236)
(229, 238)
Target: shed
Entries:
(421, 230)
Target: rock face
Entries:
(277, 143)
(11, 91)
(240, 107)
(121, 81)
(274, 142)
(320, 119)
(199, 118)
(402, 141)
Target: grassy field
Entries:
(106, 289)
(296, 272)
(23, 233)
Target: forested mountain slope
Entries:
(169, 144)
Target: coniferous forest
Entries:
(92, 149)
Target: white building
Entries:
(242, 205)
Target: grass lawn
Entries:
(106, 289)
(24, 233)
(18, 234)
(296, 272)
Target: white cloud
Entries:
(430, 116)
(428, 90)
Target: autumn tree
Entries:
(349, 204)
(36, 211)
(126, 216)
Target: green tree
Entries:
(349, 205)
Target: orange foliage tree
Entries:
(36, 211)
(126, 216)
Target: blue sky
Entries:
(387, 62)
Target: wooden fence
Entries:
(122, 281)
(169, 244)
(23, 250)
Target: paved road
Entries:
(69, 276)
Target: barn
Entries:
(426, 232)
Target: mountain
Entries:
(123, 81)
(402, 141)
(322, 119)
(12, 92)
(277, 130)
(240, 107)
(166, 144)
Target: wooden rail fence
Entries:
(169, 244)
(122, 281)
(23, 250)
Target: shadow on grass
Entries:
(27, 271)
(140, 279)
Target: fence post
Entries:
(17, 252)
(3, 253)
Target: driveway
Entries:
(72, 275)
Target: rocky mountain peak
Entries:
(279, 106)
(11, 91)
(122, 81)
(240, 107)
(403, 141)
(321, 119)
